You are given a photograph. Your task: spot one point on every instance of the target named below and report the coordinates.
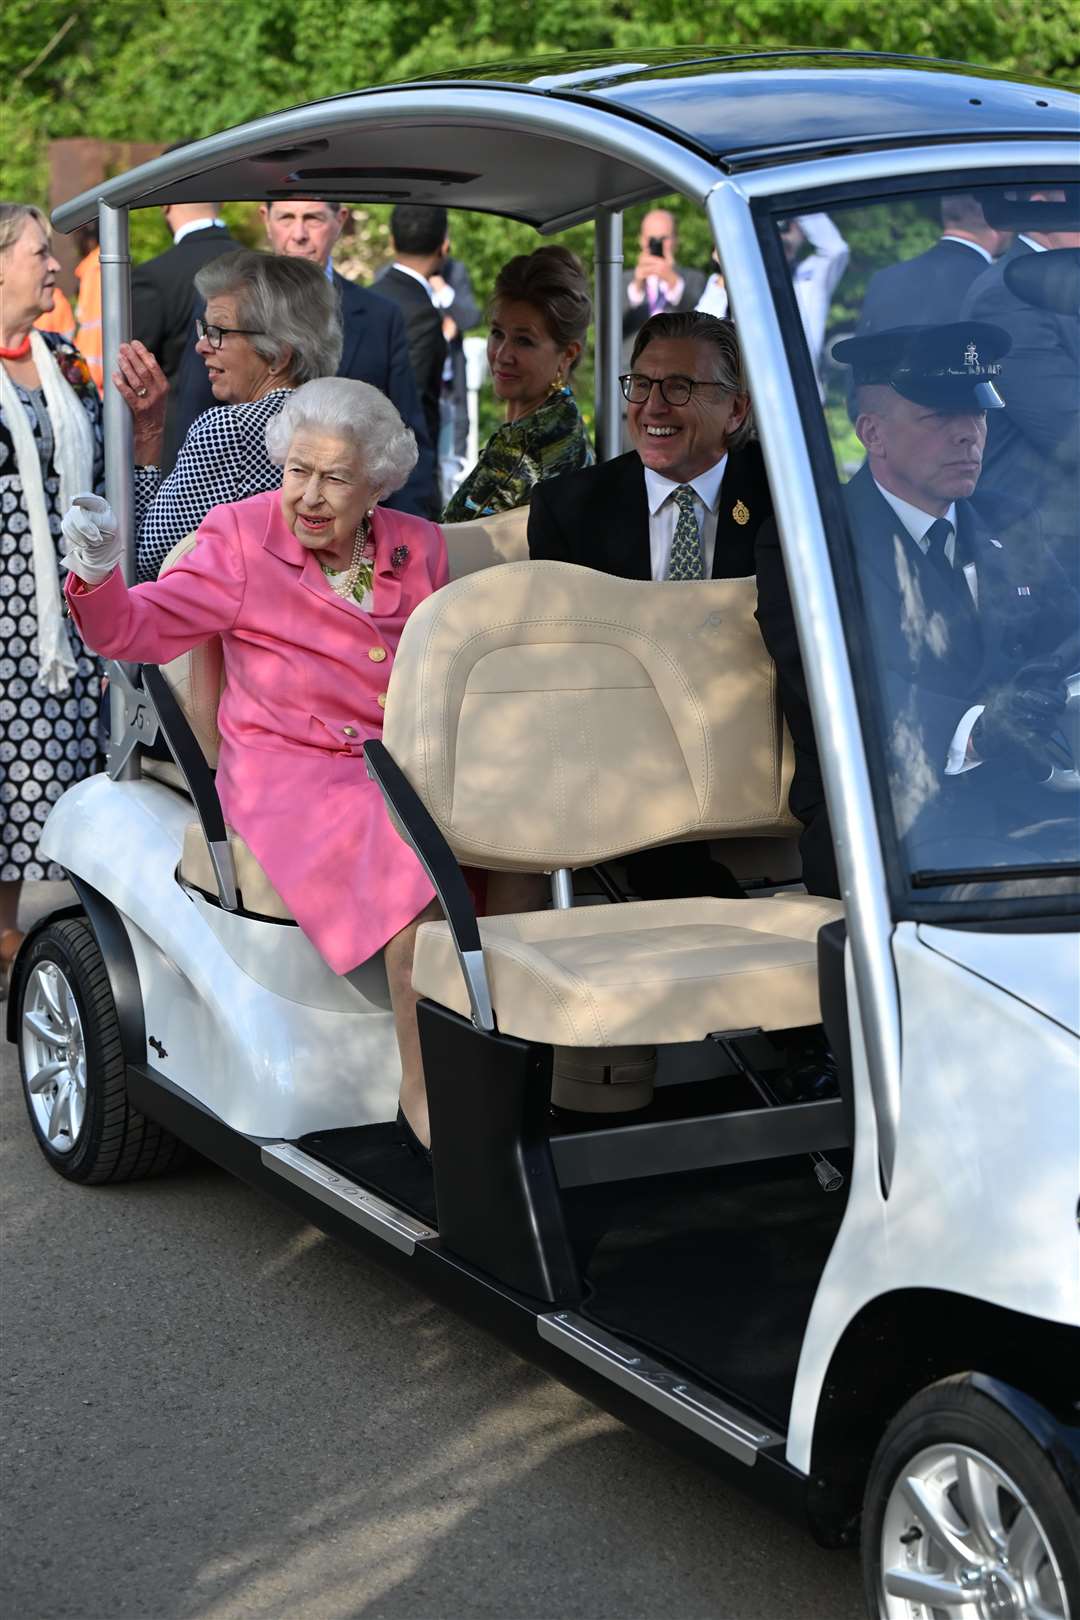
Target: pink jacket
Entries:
(306, 678)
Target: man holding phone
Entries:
(657, 284)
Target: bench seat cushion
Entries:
(647, 973)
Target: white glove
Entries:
(91, 535)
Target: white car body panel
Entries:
(1041, 969)
(984, 1196)
(221, 992)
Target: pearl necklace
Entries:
(346, 585)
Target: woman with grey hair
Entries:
(270, 325)
(308, 587)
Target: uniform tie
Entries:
(686, 547)
(937, 536)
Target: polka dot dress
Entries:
(46, 743)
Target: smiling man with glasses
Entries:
(687, 501)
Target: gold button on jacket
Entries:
(376, 654)
(350, 731)
(381, 700)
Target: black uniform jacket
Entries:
(937, 654)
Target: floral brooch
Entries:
(73, 368)
(398, 558)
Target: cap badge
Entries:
(741, 513)
(971, 357)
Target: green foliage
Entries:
(178, 70)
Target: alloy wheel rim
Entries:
(960, 1541)
(54, 1056)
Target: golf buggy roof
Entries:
(538, 141)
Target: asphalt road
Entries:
(214, 1412)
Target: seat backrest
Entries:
(484, 541)
(550, 715)
(197, 677)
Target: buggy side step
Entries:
(401, 1231)
(714, 1420)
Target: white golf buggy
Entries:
(866, 1303)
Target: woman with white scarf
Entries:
(50, 449)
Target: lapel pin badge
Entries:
(398, 558)
(741, 513)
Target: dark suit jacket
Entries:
(599, 517)
(427, 346)
(163, 295)
(163, 310)
(1033, 446)
(924, 291)
(375, 351)
(936, 656)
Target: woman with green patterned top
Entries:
(540, 312)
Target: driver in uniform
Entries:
(972, 641)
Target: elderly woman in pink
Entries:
(308, 587)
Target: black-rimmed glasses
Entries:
(637, 387)
(215, 334)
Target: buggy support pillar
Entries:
(844, 765)
(609, 267)
(119, 490)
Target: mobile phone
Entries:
(656, 246)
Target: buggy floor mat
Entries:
(376, 1157)
(714, 1270)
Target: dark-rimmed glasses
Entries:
(637, 387)
(215, 334)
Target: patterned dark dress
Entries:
(46, 743)
(549, 441)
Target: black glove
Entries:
(1019, 719)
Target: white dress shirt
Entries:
(714, 300)
(664, 514)
(816, 276)
(194, 225)
(918, 524)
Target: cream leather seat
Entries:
(550, 717)
(197, 678)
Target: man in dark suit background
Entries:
(1033, 449)
(963, 636)
(685, 503)
(929, 290)
(375, 349)
(163, 297)
(418, 234)
(658, 283)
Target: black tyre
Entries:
(72, 1065)
(965, 1516)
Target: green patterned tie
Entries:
(686, 546)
